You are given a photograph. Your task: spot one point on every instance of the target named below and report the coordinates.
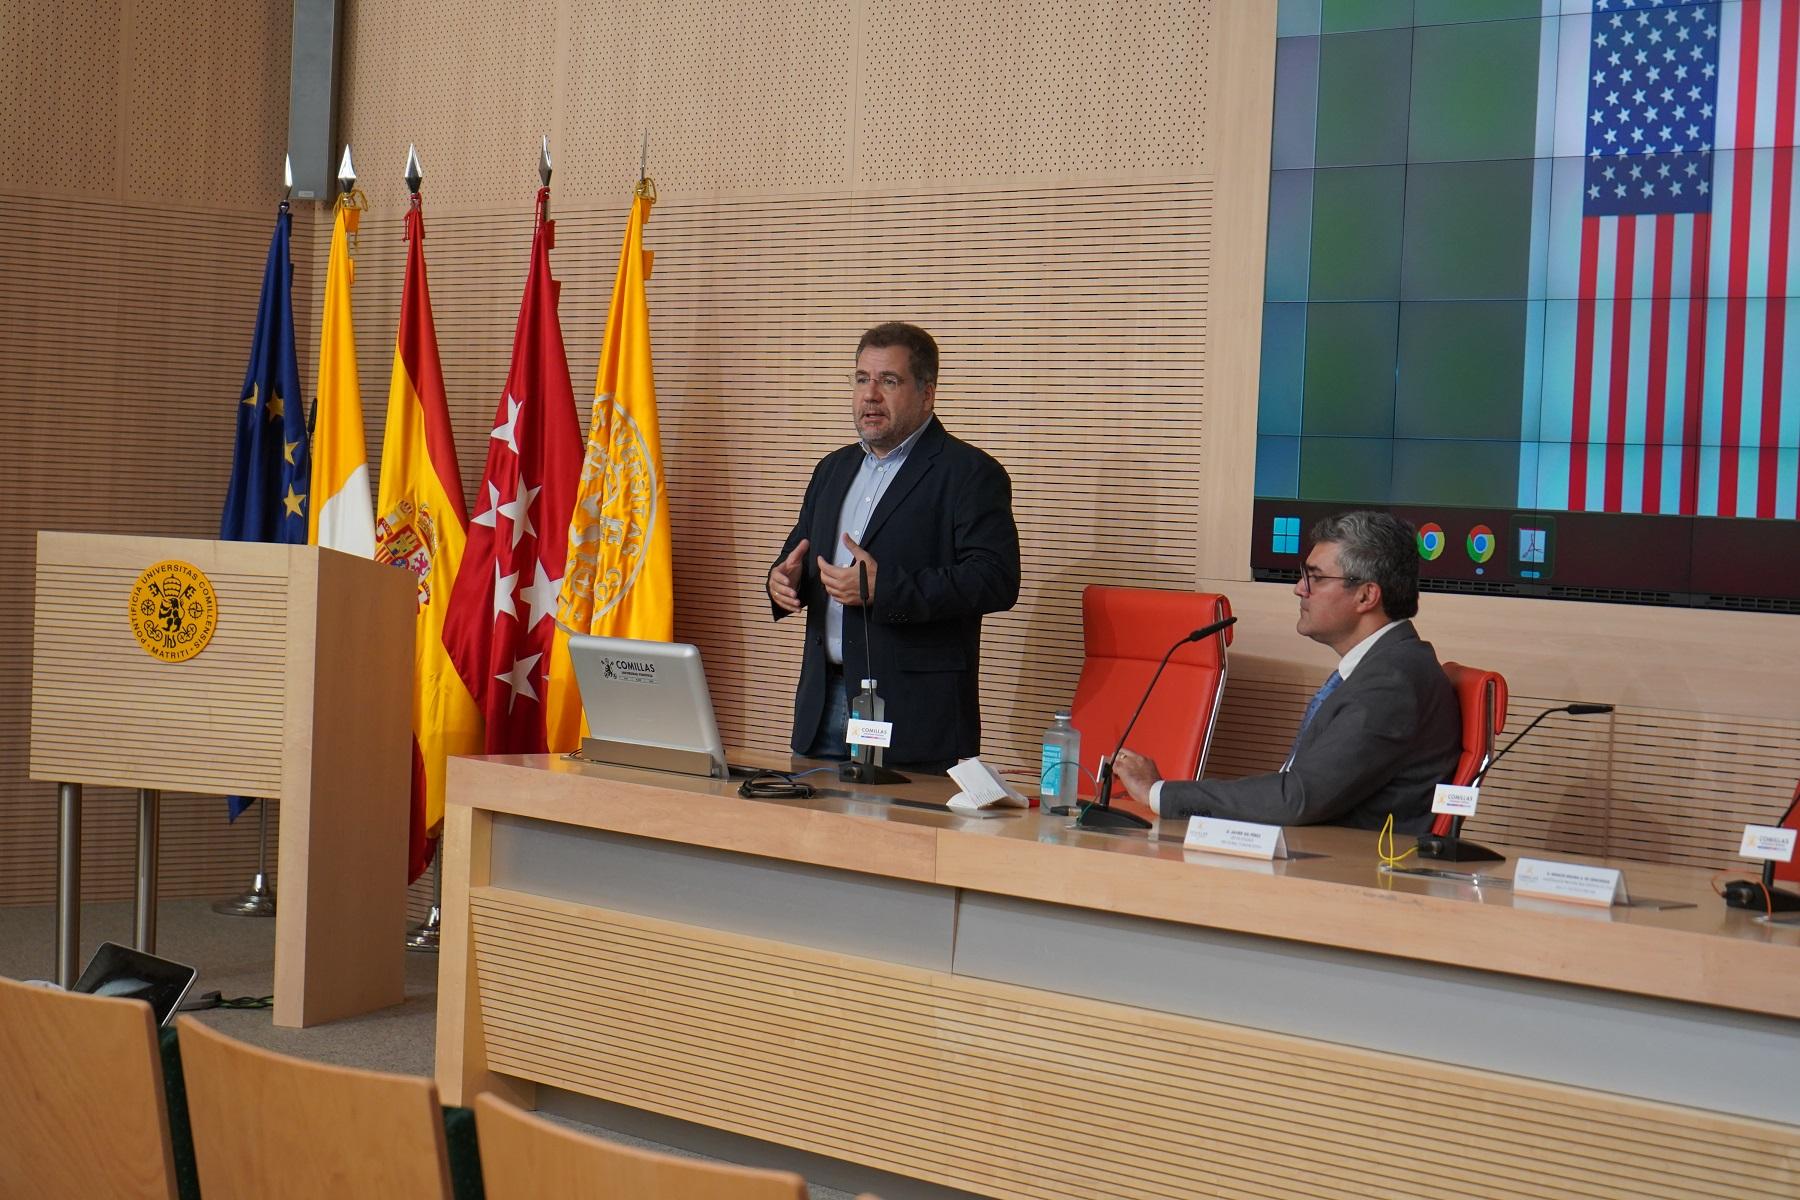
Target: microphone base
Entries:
(1093, 816)
(870, 774)
(1750, 897)
(1455, 849)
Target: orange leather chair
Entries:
(1789, 872)
(1126, 632)
(1482, 695)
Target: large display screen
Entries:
(1529, 267)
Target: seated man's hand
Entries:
(784, 579)
(1137, 773)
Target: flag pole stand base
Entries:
(259, 901)
(423, 937)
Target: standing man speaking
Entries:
(927, 518)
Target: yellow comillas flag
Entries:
(341, 515)
(424, 527)
(620, 577)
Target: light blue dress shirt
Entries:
(872, 479)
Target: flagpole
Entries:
(259, 900)
(423, 937)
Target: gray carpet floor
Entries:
(236, 957)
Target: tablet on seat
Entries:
(117, 970)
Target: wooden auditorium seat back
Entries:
(524, 1157)
(274, 1127)
(1125, 632)
(82, 1111)
(1482, 697)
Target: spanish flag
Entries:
(340, 515)
(424, 527)
(620, 580)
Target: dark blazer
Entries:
(1381, 743)
(946, 551)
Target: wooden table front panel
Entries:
(1017, 1093)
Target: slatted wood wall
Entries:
(140, 161)
(822, 168)
(1070, 193)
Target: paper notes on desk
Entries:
(982, 788)
(1245, 839)
(1575, 883)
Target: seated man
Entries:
(1383, 731)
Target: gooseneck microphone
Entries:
(1100, 814)
(867, 772)
(1449, 846)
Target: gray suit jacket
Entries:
(1380, 744)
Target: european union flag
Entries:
(271, 466)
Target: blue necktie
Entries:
(1312, 709)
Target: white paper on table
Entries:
(982, 788)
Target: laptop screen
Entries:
(650, 694)
(120, 971)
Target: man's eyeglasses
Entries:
(1312, 579)
(887, 381)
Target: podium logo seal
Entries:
(174, 610)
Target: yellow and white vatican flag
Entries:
(342, 511)
(620, 578)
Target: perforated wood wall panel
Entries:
(948, 1079)
(140, 163)
(59, 95)
(1114, 89)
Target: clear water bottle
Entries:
(867, 705)
(1059, 777)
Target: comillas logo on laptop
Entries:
(629, 670)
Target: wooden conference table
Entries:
(1014, 1008)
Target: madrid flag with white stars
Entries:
(501, 629)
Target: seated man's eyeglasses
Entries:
(1312, 579)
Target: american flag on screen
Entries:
(1668, 372)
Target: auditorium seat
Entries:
(1482, 695)
(524, 1157)
(275, 1127)
(82, 1112)
(1125, 633)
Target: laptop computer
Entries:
(647, 705)
(117, 970)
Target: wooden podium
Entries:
(302, 694)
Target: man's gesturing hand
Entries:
(842, 583)
(784, 579)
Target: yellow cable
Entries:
(1384, 845)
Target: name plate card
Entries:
(1572, 882)
(869, 733)
(1770, 843)
(1456, 799)
(1245, 839)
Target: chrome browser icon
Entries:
(1481, 544)
(1431, 541)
